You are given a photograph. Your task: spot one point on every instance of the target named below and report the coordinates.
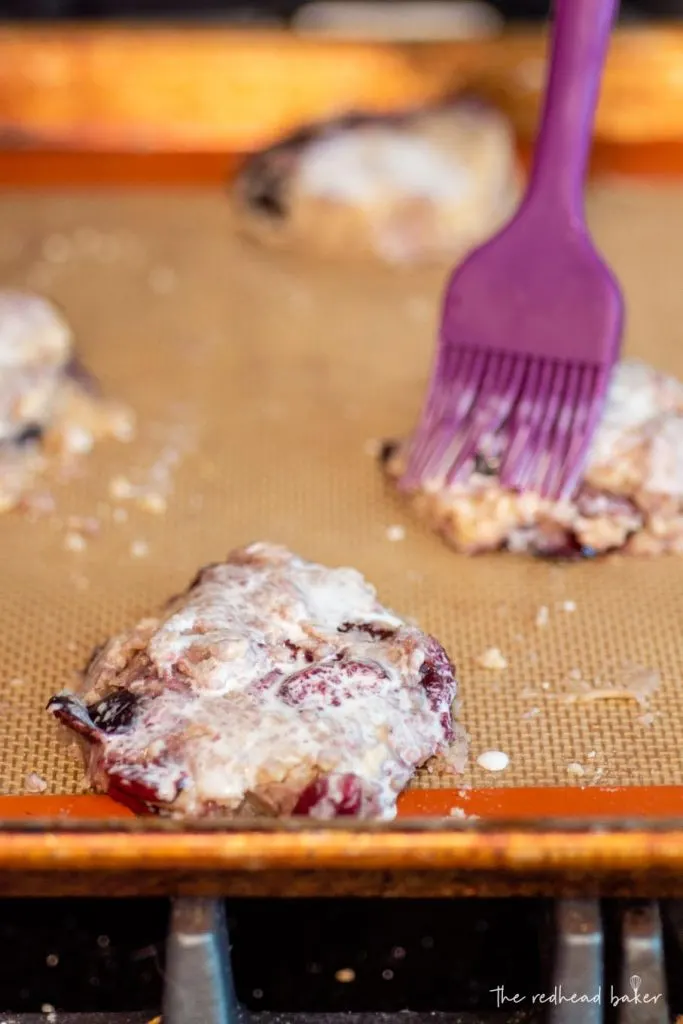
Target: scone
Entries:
(631, 497)
(272, 686)
(48, 405)
(419, 187)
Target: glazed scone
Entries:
(420, 187)
(631, 497)
(273, 686)
(48, 409)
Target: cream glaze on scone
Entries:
(416, 187)
(631, 497)
(48, 412)
(273, 685)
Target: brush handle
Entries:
(580, 38)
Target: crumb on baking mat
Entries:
(35, 783)
(492, 658)
(493, 760)
(630, 683)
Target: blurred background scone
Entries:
(50, 408)
(421, 187)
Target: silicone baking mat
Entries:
(262, 385)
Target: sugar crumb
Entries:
(492, 658)
(152, 502)
(85, 525)
(576, 769)
(493, 760)
(139, 549)
(542, 616)
(458, 812)
(631, 683)
(77, 440)
(35, 783)
(120, 488)
(120, 515)
(395, 533)
(124, 428)
(568, 606)
(74, 541)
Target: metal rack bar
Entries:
(585, 986)
(643, 974)
(199, 987)
(579, 966)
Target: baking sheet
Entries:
(261, 384)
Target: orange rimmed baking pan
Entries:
(262, 417)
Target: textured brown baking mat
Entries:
(261, 384)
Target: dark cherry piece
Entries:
(73, 713)
(127, 796)
(296, 650)
(137, 785)
(484, 466)
(33, 432)
(77, 372)
(387, 451)
(349, 803)
(115, 712)
(436, 676)
(372, 629)
(264, 189)
(324, 685)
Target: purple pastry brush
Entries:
(532, 320)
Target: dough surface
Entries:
(420, 187)
(271, 686)
(631, 497)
